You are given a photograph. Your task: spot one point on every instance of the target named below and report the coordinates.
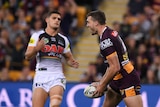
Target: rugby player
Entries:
(120, 78)
(49, 46)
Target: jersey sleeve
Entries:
(33, 40)
(107, 45)
(67, 46)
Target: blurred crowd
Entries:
(140, 30)
(19, 19)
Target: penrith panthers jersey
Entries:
(50, 55)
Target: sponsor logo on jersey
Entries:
(114, 33)
(31, 41)
(53, 39)
(52, 48)
(106, 43)
(60, 43)
(55, 54)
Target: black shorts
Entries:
(127, 86)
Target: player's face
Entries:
(91, 24)
(54, 21)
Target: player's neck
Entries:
(101, 29)
(51, 32)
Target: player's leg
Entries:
(132, 97)
(56, 94)
(112, 98)
(134, 101)
(39, 97)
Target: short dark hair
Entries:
(52, 12)
(48, 15)
(98, 16)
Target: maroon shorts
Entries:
(127, 86)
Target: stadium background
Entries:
(137, 20)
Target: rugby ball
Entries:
(89, 91)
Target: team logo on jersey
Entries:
(46, 40)
(31, 41)
(114, 33)
(106, 43)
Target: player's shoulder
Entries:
(111, 33)
(64, 37)
(38, 33)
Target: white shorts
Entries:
(47, 80)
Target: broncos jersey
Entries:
(50, 55)
(111, 43)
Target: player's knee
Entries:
(55, 100)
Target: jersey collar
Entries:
(103, 32)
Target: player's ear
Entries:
(96, 23)
(46, 19)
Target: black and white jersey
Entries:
(50, 55)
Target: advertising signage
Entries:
(19, 94)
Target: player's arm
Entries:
(33, 47)
(30, 53)
(112, 70)
(68, 55)
(70, 60)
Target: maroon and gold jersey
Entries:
(126, 82)
(110, 44)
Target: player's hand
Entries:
(99, 89)
(40, 44)
(95, 84)
(74, 63)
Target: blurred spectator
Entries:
(25, 74)
(2, 56)
(150, 78)
(156, 5)
(125, 27)
(101, 66)
(153, 71)
(4, 40)
(132, 51)
(142, 60)
(153, 47)
(29, 5)
(17, 56)
(156, 26)
(37, 26)
(116, 26)
(136, 34)
(149, 12)
(9, 16)
(136, 6)
(53, 4)
(145, 24)
(90, 4)
(38, 14)
(4, 75)
(141, 67)
(21, 19)
(69, 20)
(90, 75)
(4, 23)
(14, 31)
